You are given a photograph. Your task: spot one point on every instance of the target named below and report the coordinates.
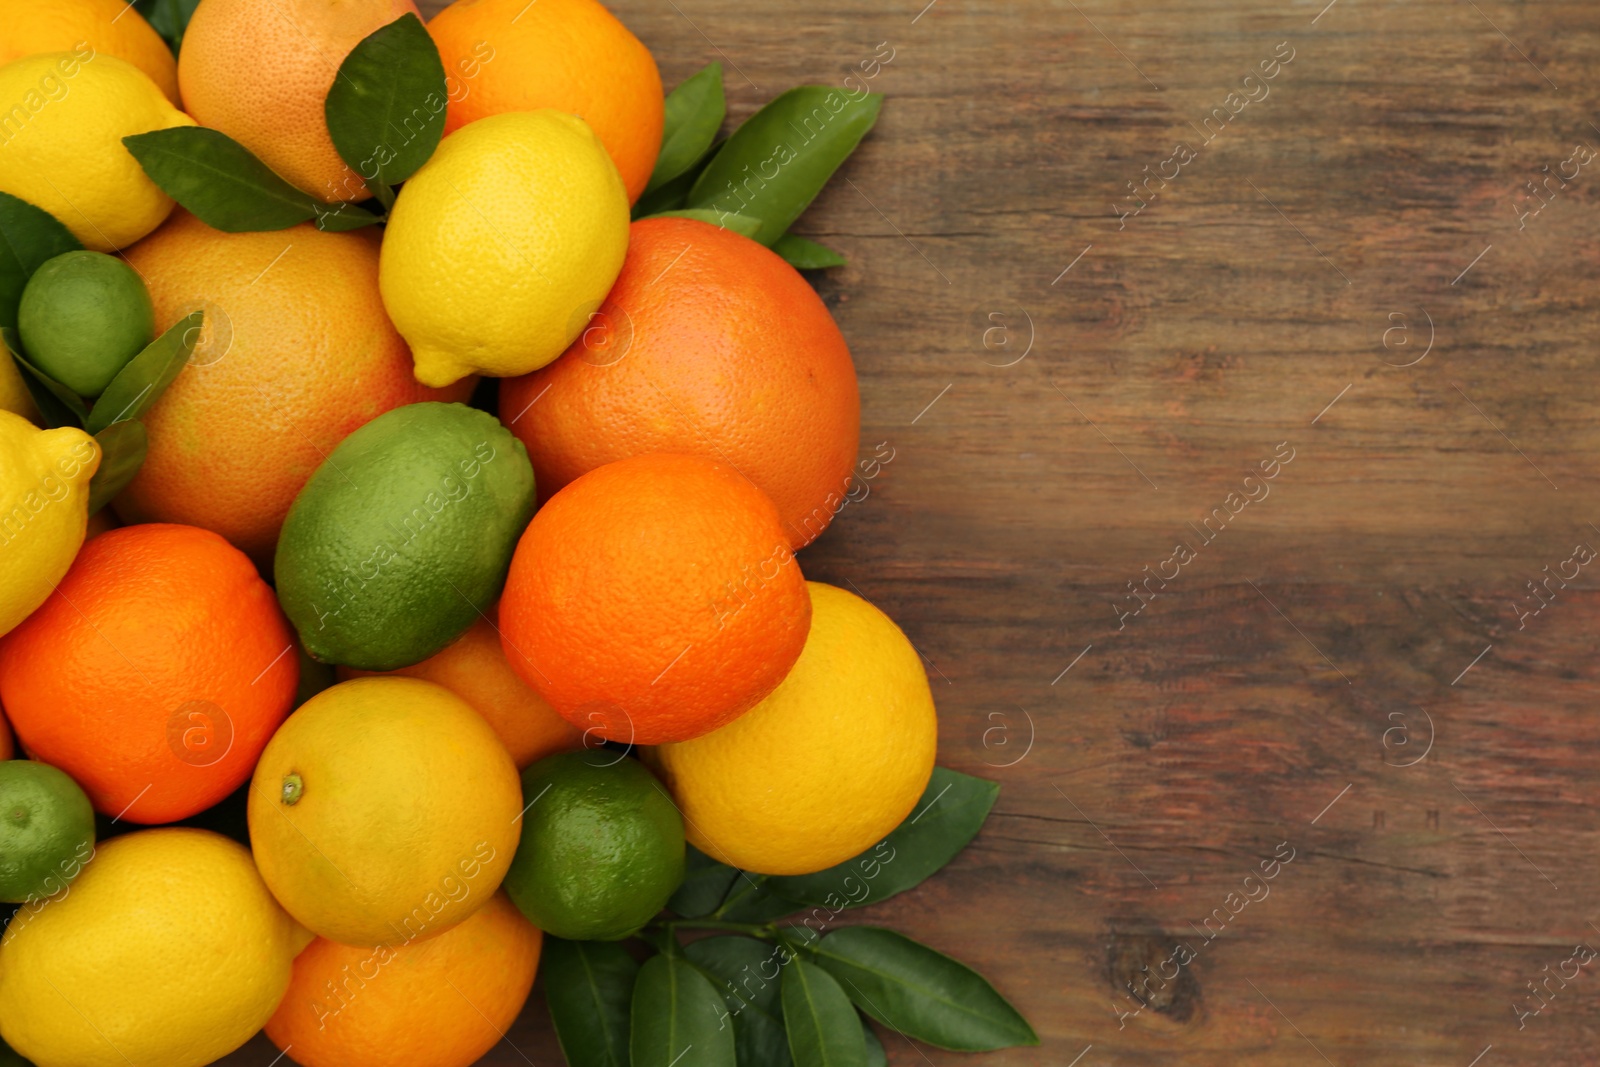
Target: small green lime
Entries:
(402, 538)
(602, 846)
(46, 830)
(83, 316)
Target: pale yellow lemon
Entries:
(826, 765)
(63, 116)
(167, 950)
(501, 247)
(44, 510)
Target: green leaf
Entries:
(217, 180)
(147, 375)
(806, 255)
(751, 901)
(676, 1009)
(589, 988)
(122, 449)
(824, 1030)
(876, 1057)
(668, 197)
(746, 973)
(341, 217)
(695, 111)
(743, 225)
(741, 963)
(924, 994)
(778, 161)
(705, 883)
(671, 195)
(59, 405)
(28, 236)
(661, 938)
(385, 110)
(951, 812)
(169, 18)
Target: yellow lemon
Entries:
(111, 27)
(167, 950)
(502, 246)
(14, 395)
(826, 765)
(384, 811)
(63, 116)
(44, 510)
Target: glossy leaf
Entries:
(589, 988)
(678, 1017)
(747, 973)
(169, 18)
(950, 813)
(337, 218)
(28, 236)
(147, 375)
(670, 196)
(924, 994)
(218, 180)
(776, 163)
(743, 225)
(122, 450)
(694, 113)
(803, 254)
(824, 1030)
(876, 1056)
(750, 900)
(705, 883)
(59, 405)
(386, 109)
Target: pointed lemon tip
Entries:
(437, 370)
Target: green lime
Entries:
(602, 846)
(46, 830)
(402, 537)
(83, 316)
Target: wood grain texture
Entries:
(1274, 691)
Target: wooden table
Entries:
(1340, 271)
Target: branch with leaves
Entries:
(386, 114)
(773, 993)
(29, 237)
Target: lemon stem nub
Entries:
(292, 788)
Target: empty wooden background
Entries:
(1346, 667)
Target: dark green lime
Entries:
(83, 316)
(402, 538)
(602, 846)
(46, 830)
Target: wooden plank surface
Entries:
(1344, 672)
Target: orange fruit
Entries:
(654, 599)
(295, 353)
(6, 748)
(443, 1002)
(154, 674)
(711, 345)
(570, 55)
(474, 668)
(261, 72)
(107, 27)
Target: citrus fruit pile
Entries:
(406, 436)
